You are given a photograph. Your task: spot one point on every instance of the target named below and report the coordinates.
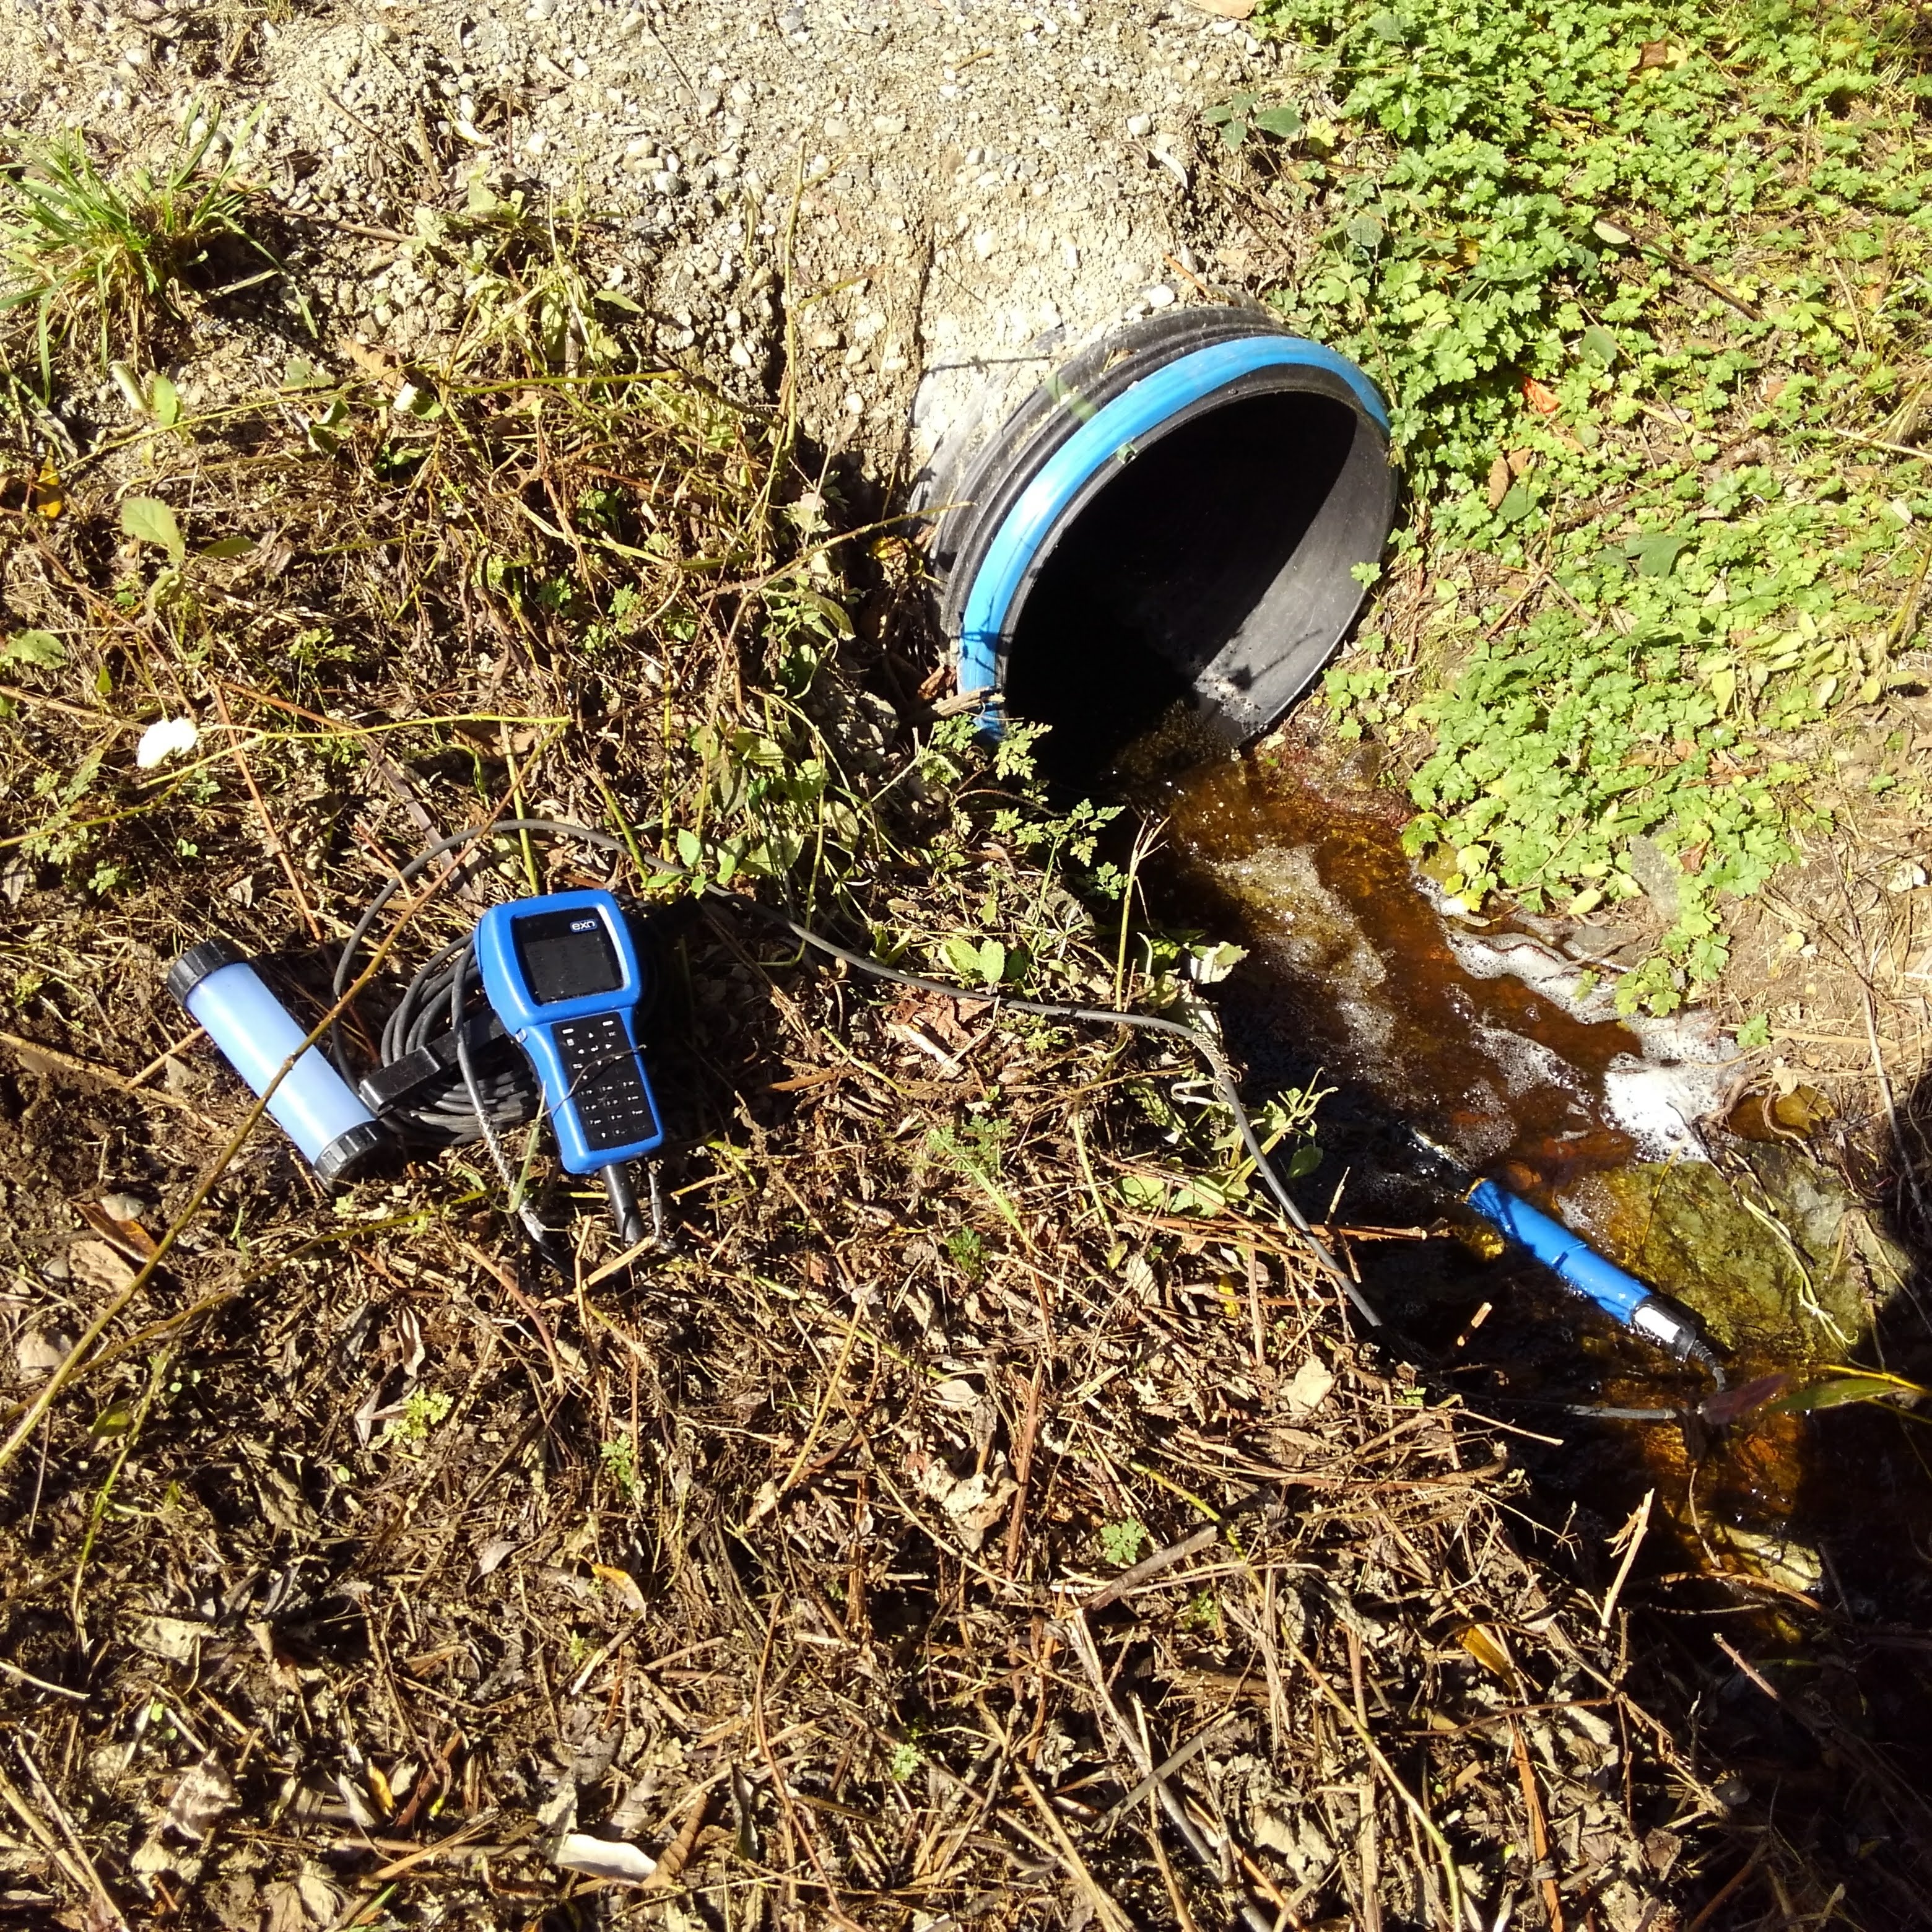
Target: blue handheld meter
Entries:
(563, 974)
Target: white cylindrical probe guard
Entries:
(313, 1105)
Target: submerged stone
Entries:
(1778, 1259)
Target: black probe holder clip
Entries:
(404, 1082)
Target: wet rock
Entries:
(1767, 1115)
(1777, 1256)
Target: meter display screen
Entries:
(566, 956)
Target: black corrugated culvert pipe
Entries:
(1169, 528)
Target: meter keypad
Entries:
(605, 1088)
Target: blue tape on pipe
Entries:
(1566, 1254)
(1102, 440)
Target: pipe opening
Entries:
(1208, 536)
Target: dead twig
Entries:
(90, 1877)
(1430, 1830)
(1539, 1825)
(1081, 1639)
(1105, 1909)
(89, 1069)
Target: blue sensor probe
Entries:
(257, 1036)
(1585, 1272)
(563, 975)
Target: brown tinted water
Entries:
(1354, 956)
(1353, 973)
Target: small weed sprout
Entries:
(1204, 1613)
(424, 1410)
(1241, 116)
(966, 1248)
(109, 255)
(622, 1463)
(1122, 1542)
(527, 290)
(905, 1761)
(974, 1150)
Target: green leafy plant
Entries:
(620, 1460)
(524, 285)
(1204, 1613)
(1242, 114)
(981, 962)
(424, 1410)
(148, 519)
(974, 1150)
(1123, 1542)
(33, 647)
(1578, 245)
(109, 254)
(966, 1248)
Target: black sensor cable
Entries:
(433, 1032)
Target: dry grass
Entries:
(862, 1560)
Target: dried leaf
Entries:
(1852, 1385)
(1486, 1645)
(974, 1505)
(320, 1900)
(1545, 402)
(1308, 1387)
(621, 1585)
(1227, 10)
(604, 1857)
(1765, 1115)
(359, 1812)
(99, 1266)
(36, 1355)
(204, 1795)
(176, 1639)
(1500, 479)
(492, 1556)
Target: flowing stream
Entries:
(1499, 1041)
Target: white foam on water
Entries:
(1659, 1105)
(1656, 1096)
(1526, 1064)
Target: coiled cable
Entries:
(489, 1088)
(434, 1002)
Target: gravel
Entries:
(976, 181)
